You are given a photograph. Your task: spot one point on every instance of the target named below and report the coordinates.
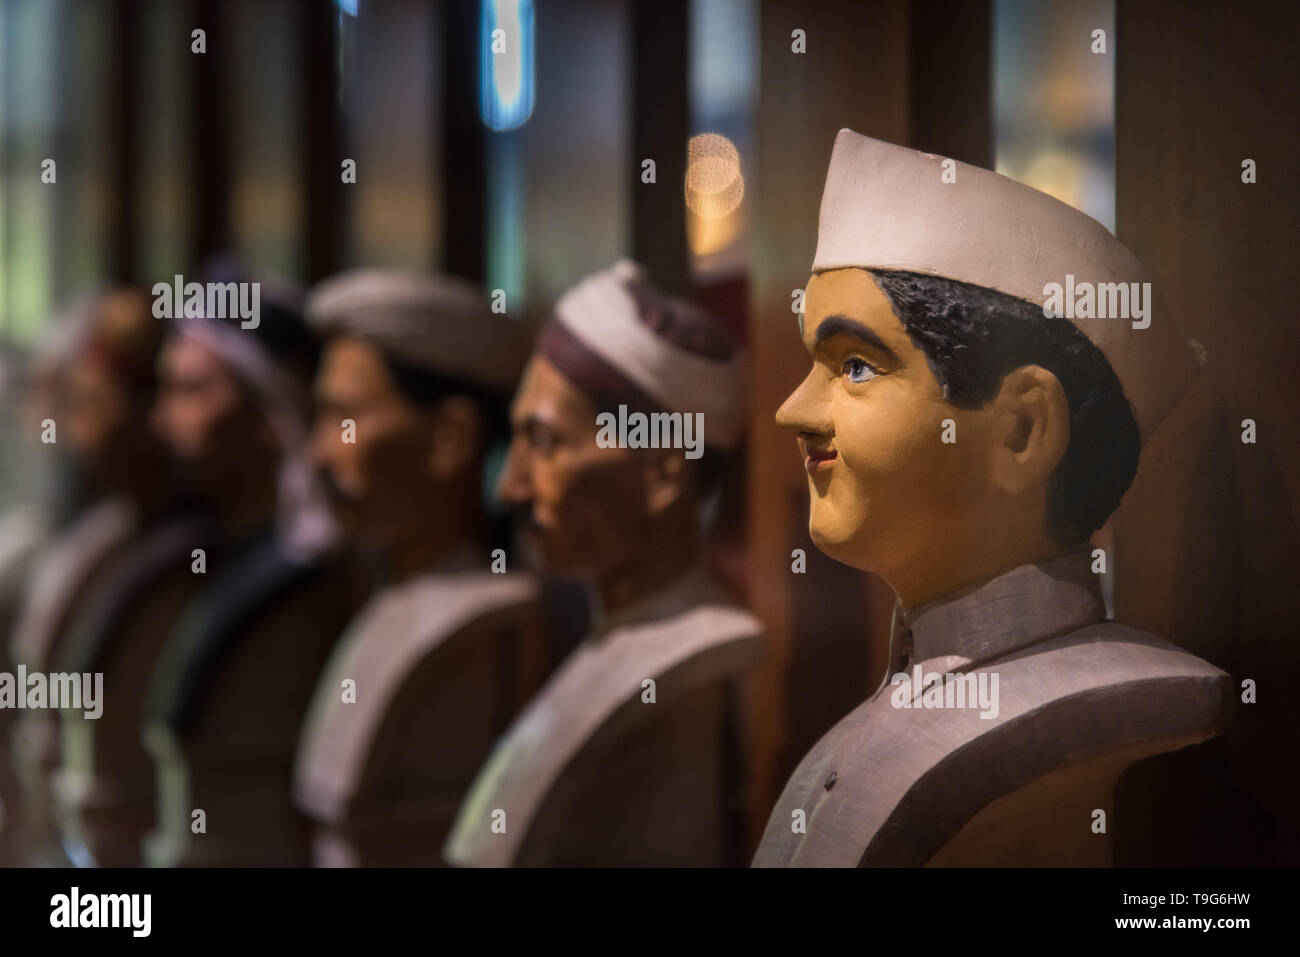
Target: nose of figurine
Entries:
(513, 487)
(803, 411)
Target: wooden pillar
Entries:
(1207, 549)
(210, 137)
(322, 140)
(951, 79)
(660, 130)
(127, 54)
(464, 142)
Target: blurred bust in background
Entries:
(411, 399)
(100, 392)
(628, 755)
(232, 680)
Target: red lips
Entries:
(817, 459)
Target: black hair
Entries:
(973, 337)
(425, 389)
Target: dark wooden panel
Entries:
(126, 37)
(660, 128)
(1207, 544)
(322, 139)
(209, 132)
(464, 142)
(952, 78)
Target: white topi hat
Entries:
(889, 207)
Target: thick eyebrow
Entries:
(834, 325)
(530, 420)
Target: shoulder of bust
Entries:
(703, 644)
(905, 774)
(398, 631)
(400, 625)
(603, 677)
(699, 631)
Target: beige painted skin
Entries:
(382, 470)
(929, 518)
(399, 454)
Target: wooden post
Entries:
(1207, 550)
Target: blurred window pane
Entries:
(389, 87)
(266, 202)
(1054, 100)
(163, 97)
(55, 92)
(723, 95)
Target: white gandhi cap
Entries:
(617, 314)
(888, 207)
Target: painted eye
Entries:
(857, 370)
(542, 440)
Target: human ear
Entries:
(1030, 422)
(457, 435)
(667, 477)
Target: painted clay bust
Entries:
(446, 651)
(28, 528)
(104, 788)
(231, 682)
(624, 755)
(107, 390)
(963, 444)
